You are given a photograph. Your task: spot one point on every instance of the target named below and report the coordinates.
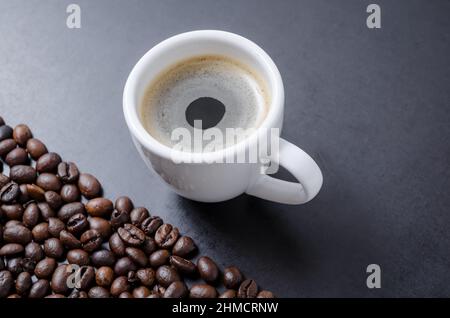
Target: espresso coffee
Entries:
(217, 91)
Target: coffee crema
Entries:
(216, 90)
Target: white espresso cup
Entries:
(203, 176)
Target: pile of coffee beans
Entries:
(60, 238)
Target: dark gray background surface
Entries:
(371, 106)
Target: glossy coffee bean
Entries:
(131, 235)
(69, 240)
(116, 245)
(34, 251)
(36, 148)
(77, 224)
(60, 278)
(55, 296)
(39, 289)
(125, 295)
(17, 234)
(22, 134)
(232, 277)
(184, 247)
(89, 185)
(55, 226)
(70, 209)
(123, 266)
(104, 276)
(137, 256)
(48, 182)
(35, 192)
(78, 256)
(15, 265)
(12, 211)
(103, 258)
(91, 240)
(132, 278)
(159, 258)
(48, 162)
(265, 294)
(177, 289)
(248, 289)
(53, 248)
(99, 207)
(11, 249)
(202, 291)
(78, 294)
(151, 224)
(119, 218)
(46, 211)
(40, 232)
(119, 285)
(229, 293)
(6, 146)
(45, 268)
(28, 264)
(22, 174)
(70, 193)
(138, 215)
(101, 225)
(166, 275)
(9, 192)
(23, 283)
(146, 276)
(53, 199)
(68, 172)
(86, 275)
(3, 180)
(123, 204)
(12, 223)
(183, 266)
(141, 292)
(166, 235)
(207, 269)
(98, 292)
(5, 132)
(17, 156)
(149, 245)
(31, 215)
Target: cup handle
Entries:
(301, 166)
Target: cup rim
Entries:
(131, 105)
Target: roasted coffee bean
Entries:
(5, 132)
(265, 294)
(69, 240)
(182, 265)
(104, 276)
(46, 211)
(132, 278)
(70, 209)
(34, 252)
(116, 245)
(22, 134)
(103, 258)
(232, 277)
(119, 285)
(53, 248)
(70, 193)
(11, 249)
(138, 215)
(78, 294)
(101, 225)
(202, 291)
(2, 264)
(100, 207)
(89, 185)
(55, 296)
(36, 148)
(149, 245)
(131, 235)
(77, 224)
(86, 275)
(6, 146)
(98, 292)
(154, 294)
(17, 234)
(31, 215)
(14, 296)
(146, 276)
(123, 266)
(91, 240)
(248, 289)
(48, 182)
(207, 269)
(78, 256)
(119, 218)
(159, 289)
(48, 162)
(53, 199)
(229, 293)
(34, 192)
(40, 232)
(151, 224)
(9, 192)
(177, 289)
(141, 292)
(28, 264)
(166, 275)
(60, 278)
(3, 180)
(159, 257)
(12, 211)
(12, 223)
(123, 204)
(22, 174)
(166, 235)
(55, 226)
(23, 283)
(137, 256)
(184, 247)
(39, 289)
(125, 295)
(17, 156)
(68, 172)
(15, 265)
(45, 268)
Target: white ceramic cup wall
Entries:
(213, 182)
